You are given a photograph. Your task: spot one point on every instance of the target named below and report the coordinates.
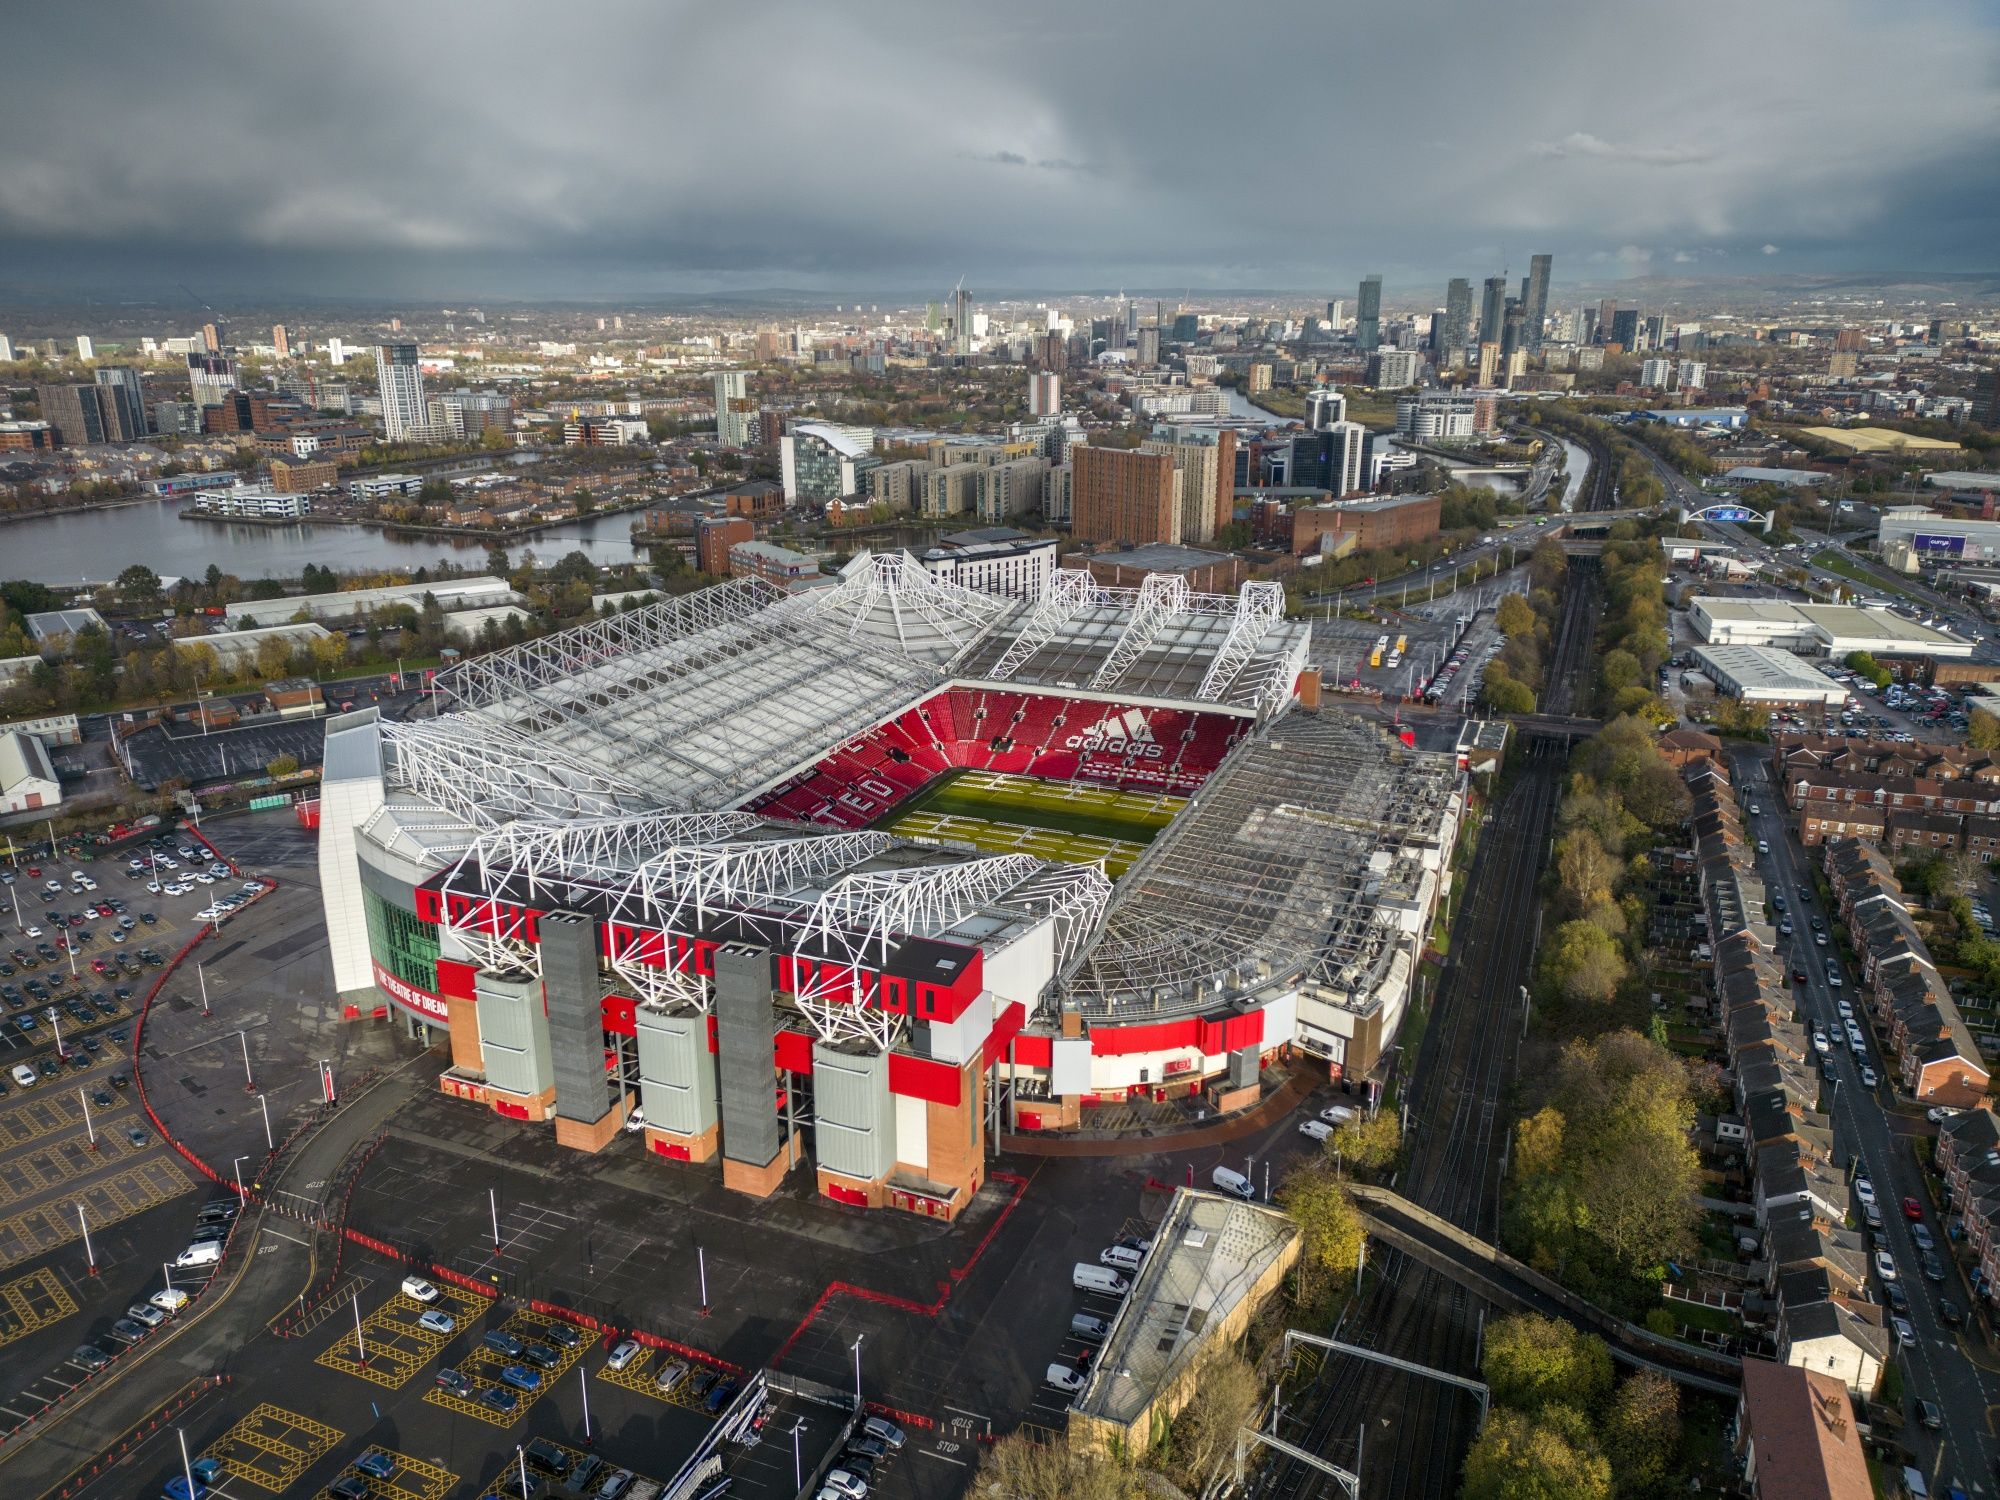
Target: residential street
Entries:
(1952, 1367)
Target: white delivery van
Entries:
(1232, 1182)
(1064, 1379)
(205, 1254)
(1120, 1258)
(1088, 1278)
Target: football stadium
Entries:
(858, 878)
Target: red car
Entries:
(99, 966)
(1798, 976)
(1912, 1209)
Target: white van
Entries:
(24, 1076)
(1232, 1182)
(1064, 1379)
(1120, 1258)
(205, 1254)
(1088, 1278)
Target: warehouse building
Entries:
(1764, 675)
(1817, 629)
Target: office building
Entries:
(1334, 459)
(281, 340)
(124, 403)
(405, 412)
(1205, 459)
(1443, 416)
(735, 411)
(1452, 329)
(1625, 329)
(1044, 393)
(211, 377)
(714, 536)
(1607, 314)
(1986, 398)
(1368, 315)
(825, 461)
(1535, 301)
(1373, 524)
(1324, 407)
(1392, 369)
(1124, 495)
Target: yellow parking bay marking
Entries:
(271, 1447)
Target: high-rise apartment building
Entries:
(1149, 346)
(961, 321)
(1124, 495)
(1607, 314)
(1692, 374)
(404, 410)
(1453, 328)
(76, 412)
(1044, 393)
(1513, 330)
(1489, 362)
(1206, 462)
(1336, 314)
(1187, 327)
(1334, 459)
(1535, 304)
(1625, 328)
(124, 400)
(1655, 333)
(1368, 315)
(6, 349)
(735, 412)
(1493, 310)
(86, 347)
(1392, 369)
(1657, 374)
(281, 340)
(211, 337)
(211, 377)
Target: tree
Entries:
(1021, 1468)
(1583, 964)
(139, 586)
(496, 561)
(281, 765)
(1330, 1229)
(1532, 1362)
(1369, 1145)
(1519, 1457)
(1586, 875)
(1216, 1398)
(1514, 616)
(1982, 732)
(329, 653)
(1642, 1433)
(1504, 695)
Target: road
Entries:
(1939, 1366)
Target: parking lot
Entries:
(162, 752)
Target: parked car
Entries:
(456, 1382)
(622, 1354)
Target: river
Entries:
(97, 545)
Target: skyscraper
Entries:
(86, 348)
(1607, 313)
(1324, 407)
(1625, 328)
(1149, 346)
(1493, 310)
(1535, 305)
(402, 382)
(961, 321)
(6, 349)
(734, 410)
(281, 340)
(211, 337)
(1513, 329)
(1044, 393)
(1368, 314)
(1336, 314)
(1453, 331)
(211, 377)
(76, 412)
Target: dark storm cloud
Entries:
(651, 146)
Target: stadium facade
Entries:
(638, 865)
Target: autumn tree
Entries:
(1642, 1433)
(1330, 1230)
(1582, 963)
(1515, 616)
(1532, 1362)
(1369, 1143)
(1216, 1399)
(1521, 1457)
(1022, 1468)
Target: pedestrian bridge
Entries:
(1492, 1274)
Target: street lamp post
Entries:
(249, 1083)
(89, 1125)
(238, 1166)
(88, 1252)
(857, 1369)
(583, 1384)
(187, 1468)
(264, 1103)
(361, 1342)
(201, 978)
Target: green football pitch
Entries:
(1059, 820)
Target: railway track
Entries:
(1410, 1433)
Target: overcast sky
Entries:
(439, 148)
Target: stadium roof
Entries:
(706, 700)
(1293, 862)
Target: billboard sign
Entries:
(1923, 542)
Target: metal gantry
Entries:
(1258, 607)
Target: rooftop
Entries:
(1878, 440)
(1766, 669)
(1209, 1253)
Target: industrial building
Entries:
(357, 604)
(1818, 629)
(639, 866)
(1765, 675)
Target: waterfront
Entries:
(96, 545)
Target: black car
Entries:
(547, 1457)
(1933, 1267)
(703, 1384)
(560, 1334)
(541, 1356)
(102, 1099)
(456, 1382)
(126, 1331)
(1950, 1314)
(1897, 1298)
(1929, 1416)
(719, 1397)
(120, 1080)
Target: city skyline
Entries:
(604, 173)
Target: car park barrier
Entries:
(190, 1393)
